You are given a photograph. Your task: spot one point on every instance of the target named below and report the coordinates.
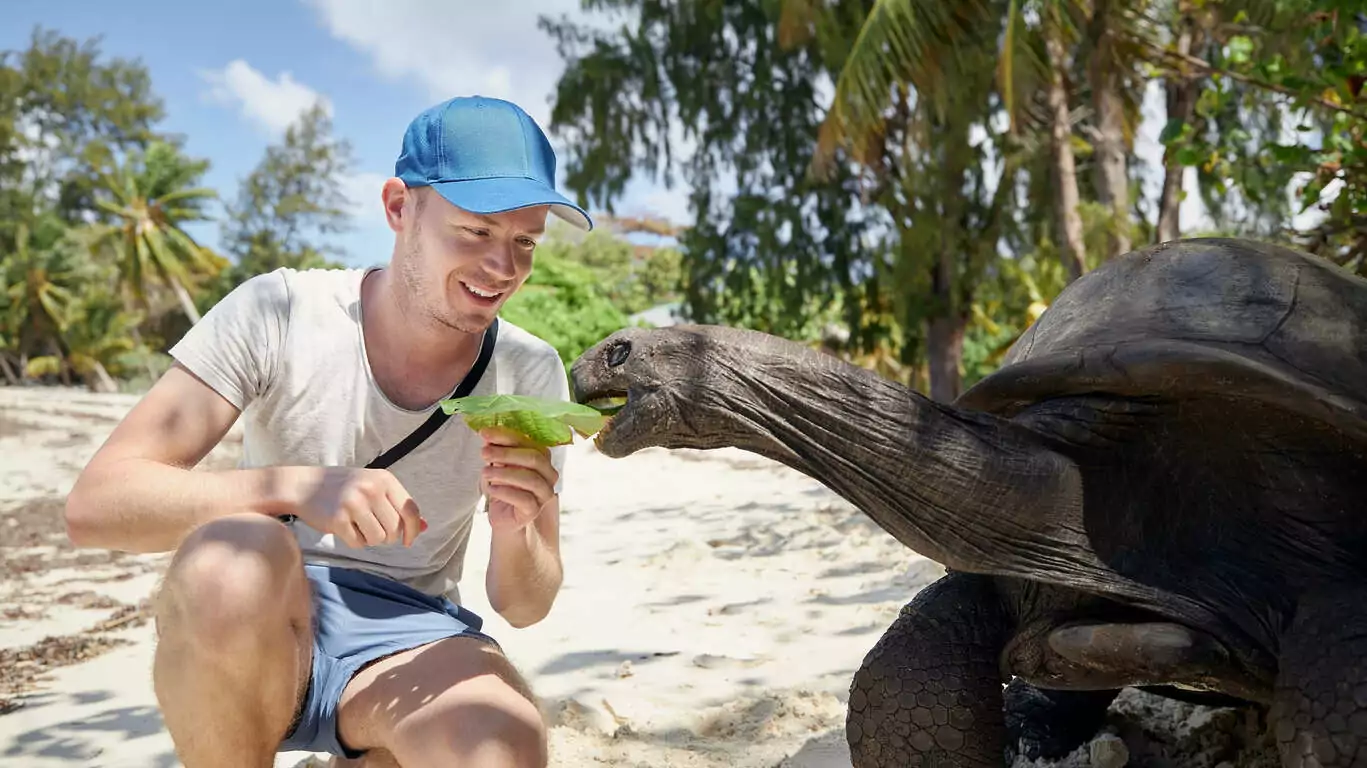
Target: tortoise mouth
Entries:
(609, 404)
(621, 407)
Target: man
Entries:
(312, 601)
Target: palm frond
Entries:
(197, 193)
(1022, 68)
(118, 209)
(168, 267)
(922, 43)
(44, 365)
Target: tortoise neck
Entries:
(944, 481)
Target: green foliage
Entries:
(99, 340)
(563, 303)
(90, 193)
(899, 236)
(288, 207)
(769, 245)
(292, 201)
(1012, 296)
(913, 211)
(66, 115)
(1285, 107)
(633, 278)
(583, 286)
(150, 197)
(540, 421)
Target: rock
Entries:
(1108, 751)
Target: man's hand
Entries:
(362, 507)
(518, 480)
(524, 572)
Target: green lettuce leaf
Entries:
(544, 422)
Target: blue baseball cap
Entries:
(484, 155)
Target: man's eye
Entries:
(527, 242)
(477, 232)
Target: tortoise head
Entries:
(682, 385)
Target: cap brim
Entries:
(490, 196)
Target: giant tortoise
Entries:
(1164, 486)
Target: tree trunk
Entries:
(945, 347)
(1112, 182)
(1071, 249)
(11, 377)
(102, 381)
(944, 326)
(63, 369)
(186, 304)
(1181, 97)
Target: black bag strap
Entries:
(439, 416)
(425, 430)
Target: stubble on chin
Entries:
(461, 323)
(446, 316)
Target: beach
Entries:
(714, 609)
(715, 605)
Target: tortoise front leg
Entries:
(1319, 710)
(930, 692)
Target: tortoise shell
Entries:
(1228, 317)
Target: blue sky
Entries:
(233, 75)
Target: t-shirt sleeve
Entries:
(235, 346)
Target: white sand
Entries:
(714, 608)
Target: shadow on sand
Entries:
(79, 739)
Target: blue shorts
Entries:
(358, 618)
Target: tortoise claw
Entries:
(1148, 653)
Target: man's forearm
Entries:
(138, 505)
(525, 572)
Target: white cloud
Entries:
(490, 49)
(271, 104)
(493, 49)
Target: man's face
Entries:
(458, 267)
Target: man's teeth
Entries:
(481, 293)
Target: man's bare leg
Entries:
(454, 702)
(234, 642)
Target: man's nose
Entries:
(499, 262)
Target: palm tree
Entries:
(919, 42)
(38, 284)
(99, 336)
(152, 199)
(914, 85)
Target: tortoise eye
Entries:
(619, 354)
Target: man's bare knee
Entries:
(227, 578)
(496, 726)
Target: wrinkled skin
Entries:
(1110, 518)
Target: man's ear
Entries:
(394, 194)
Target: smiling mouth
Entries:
(481, 295)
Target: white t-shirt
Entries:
(286, 348)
